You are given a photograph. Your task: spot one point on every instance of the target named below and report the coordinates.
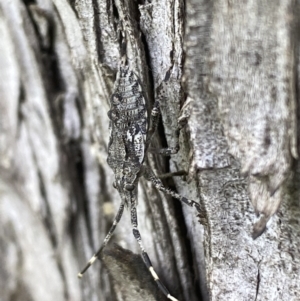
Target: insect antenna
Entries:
(146, 259)
(106, 240)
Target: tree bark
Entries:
(227, 72)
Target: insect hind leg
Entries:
(146, 259)
(155, 114)
(168, 151)
(154, 119)
(106, 240)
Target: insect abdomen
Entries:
(128, 116)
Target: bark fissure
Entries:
(257, 284)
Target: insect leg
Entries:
(169, 150)
(106, 240)
(172, 174)
(149, 175)
(155, 113)
(145, 256)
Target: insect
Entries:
(130, 137)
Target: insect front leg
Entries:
(146, 259)
(106, 240)
(149, 175)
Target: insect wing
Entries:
(128, 117)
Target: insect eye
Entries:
(114, 185)
(112, 115)
(129, 187)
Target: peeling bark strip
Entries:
(254, 81)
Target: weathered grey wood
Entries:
(218, 68)
(237, 54)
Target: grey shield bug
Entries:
(130, 137)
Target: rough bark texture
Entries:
(228, 72)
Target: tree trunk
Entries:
(227, 72)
